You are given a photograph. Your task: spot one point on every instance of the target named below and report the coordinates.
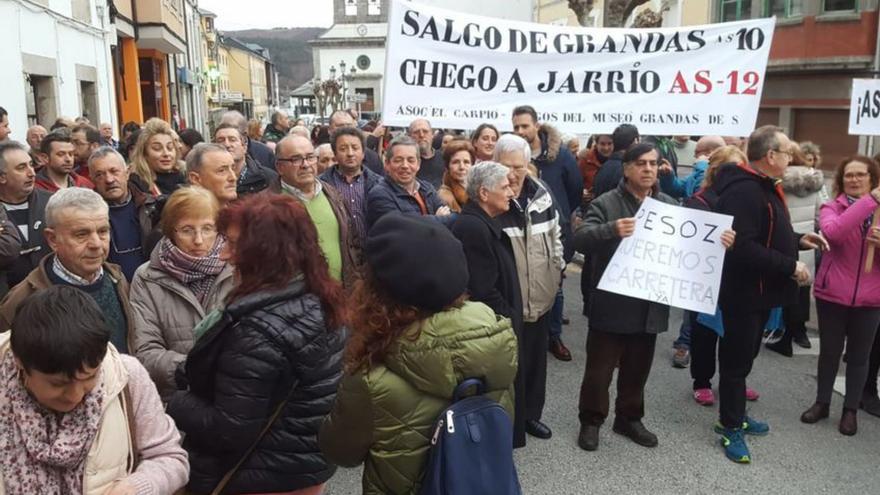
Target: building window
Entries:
(784, 8)
(735, 10)
(839, 6)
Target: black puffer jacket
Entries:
(239, 371)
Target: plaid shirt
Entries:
(355, 197)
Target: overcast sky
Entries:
(233, 15)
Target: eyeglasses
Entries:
(192, 232)
(856, 175)
(789, 154)
(646, 163)
(298, 160)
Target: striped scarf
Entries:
(868, 221)
(197, 273)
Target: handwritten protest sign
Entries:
(460, 70)
(674, 257)
(864, 107)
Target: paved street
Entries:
(794, 459)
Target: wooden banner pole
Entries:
(869, 260)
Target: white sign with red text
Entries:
(460, 70)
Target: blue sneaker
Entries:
(733, 442)
(750, 426)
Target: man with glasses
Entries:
(623, 330)
(761, 272)
(252, 177)
(401, 190)
(350, 177)
(133, 214)
(296, 162)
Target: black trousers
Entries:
(531, 376)
(743, 329)
(873, 367)
(704, 343)
(634, 354)
(795, 317)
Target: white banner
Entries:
(674, 257)
(460, 70)
(864, 107)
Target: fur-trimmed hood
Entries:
(551, 141)
(802, 181)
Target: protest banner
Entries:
(674, 257)
(864, 107)
(460, 70)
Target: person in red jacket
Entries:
(847, 293)
(59, 154)
(592, 159)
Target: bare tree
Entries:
(582, 10)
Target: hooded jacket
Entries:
(385, 416)
(597, 235)
(842, 278)
(536, 238)
(263, 346)
(758, 269)
(163, 466)
(165, 312)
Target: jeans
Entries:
(684, 332)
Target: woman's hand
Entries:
(874, 236)
(443, 211)
(121, 487)
(728, 237)
(876, 194)
(814, 241)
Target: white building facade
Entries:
(56, 61)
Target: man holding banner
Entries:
(761, 272)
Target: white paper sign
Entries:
(864, 107)
(674, 257)
(460, 70)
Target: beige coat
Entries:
(112, 455)
(165, 312)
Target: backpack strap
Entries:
(466, 384)
(128, 409)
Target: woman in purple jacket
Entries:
(847, 297)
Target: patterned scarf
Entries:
(42, 451)
(197, 273)
(867, 223)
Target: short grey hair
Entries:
(510, 143)
(324, 147)
(299, 130)
(763, 140)
(237, 119)
(401, 140)
(486, 174)
(409, 128)
(75, 198)
(196, 157)
(7, 146)
(104, 152)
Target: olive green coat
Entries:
(385, 417)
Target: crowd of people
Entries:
(243, 314)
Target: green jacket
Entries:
(385, 416)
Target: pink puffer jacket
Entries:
(842, 278)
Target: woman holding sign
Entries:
(848, 287)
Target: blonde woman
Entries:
(155, 166)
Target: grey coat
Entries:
(597, 235)
(165, 312)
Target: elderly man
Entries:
(106, 131)
(623, 330)
(133, 214)
(252, 177)
(25, 206)
(401, 190)
(35, 135)
(298, 177)
(761, 272)
(432, 166)
(349, 176)
(532, 224)
(683, 188)
(326, 158)
(4, 125)
(78, 231)
(277, 127)
(59, 154)
(86, 139)
(258, 151)
(209, 165)
(342, 118)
